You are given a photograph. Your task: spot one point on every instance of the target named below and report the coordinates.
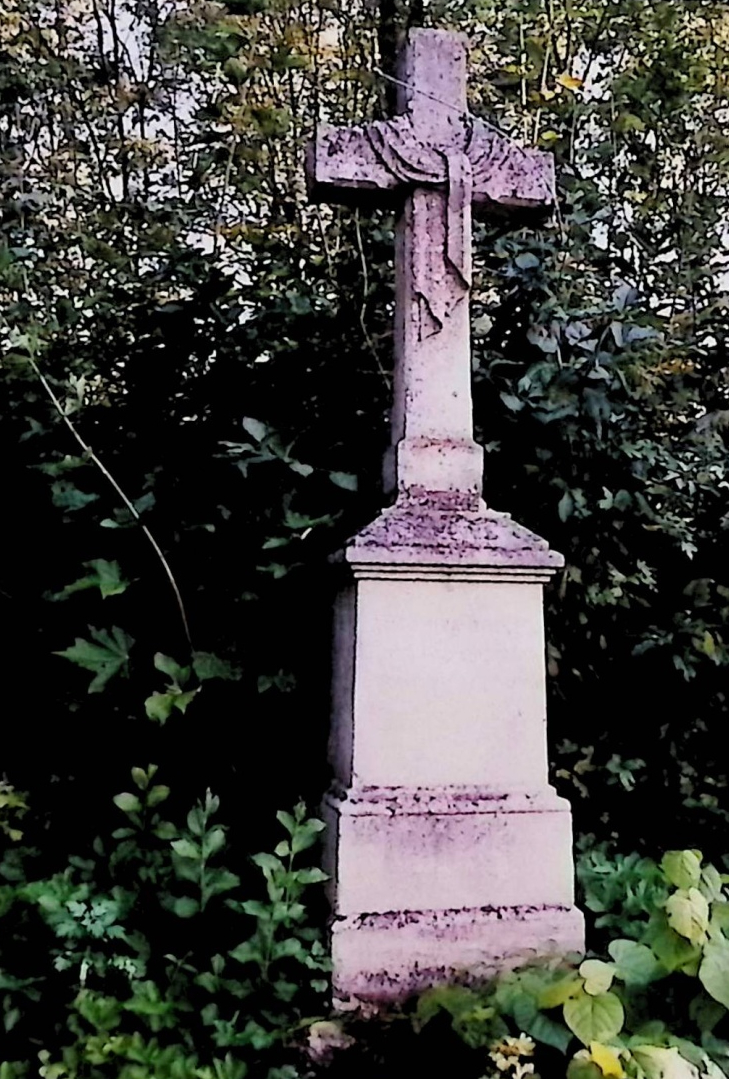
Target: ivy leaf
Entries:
(107, 654)
(714, 969)
(594, 1018)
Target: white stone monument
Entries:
(450, 853)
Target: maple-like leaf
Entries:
(106, 654)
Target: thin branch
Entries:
(127, 502)
(365, 291)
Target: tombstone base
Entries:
(442, 884)
(381, 958)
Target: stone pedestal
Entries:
(449, 852)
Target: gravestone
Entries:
(449, 852)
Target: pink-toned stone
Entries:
(437, 160)
(450, 855)
(382, 958)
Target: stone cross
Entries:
(449, 853)
(435, 160)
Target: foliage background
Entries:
(161, 267)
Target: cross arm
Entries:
(509, 176)
(341, 164)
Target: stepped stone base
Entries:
(387, 957)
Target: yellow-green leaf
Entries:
(598, 976)
(714, 969)
(606, 1059)
(688, 914)
(594, 1018)
(570, 82)
(661, 1063)
(682, 867)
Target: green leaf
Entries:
(206, 665)
(213, 841)
(527, 260)
(549, 1032)
(255, 428)
(514, 404)
(706, 1012)
(594, 1018)
(268, 863)
(182, 700)
(711, 884)
(171, 668)
(186, 849)
(67, 496)
(565, 506)
(311, 875)
(345, 480)
(682, 868)
(714, 969)
(688, 914)
(598, 977)
(106, 576)
(107, 654)
(159, 706)
(456, 1000)
(158, 794)
(720, 916)
(185, 907)
(673, 951)
(658, 1062)
(557, 992)
(636, 965)
(582, 1067)
(247, 952)
(127, 802)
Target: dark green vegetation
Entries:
(222, 349)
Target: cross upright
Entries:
(433, 160)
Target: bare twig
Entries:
(125, 499)
(365, 291)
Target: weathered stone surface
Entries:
(438, 160)
(445, 532)
(450, 855)
(389, 957)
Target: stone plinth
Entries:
(449, 852)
